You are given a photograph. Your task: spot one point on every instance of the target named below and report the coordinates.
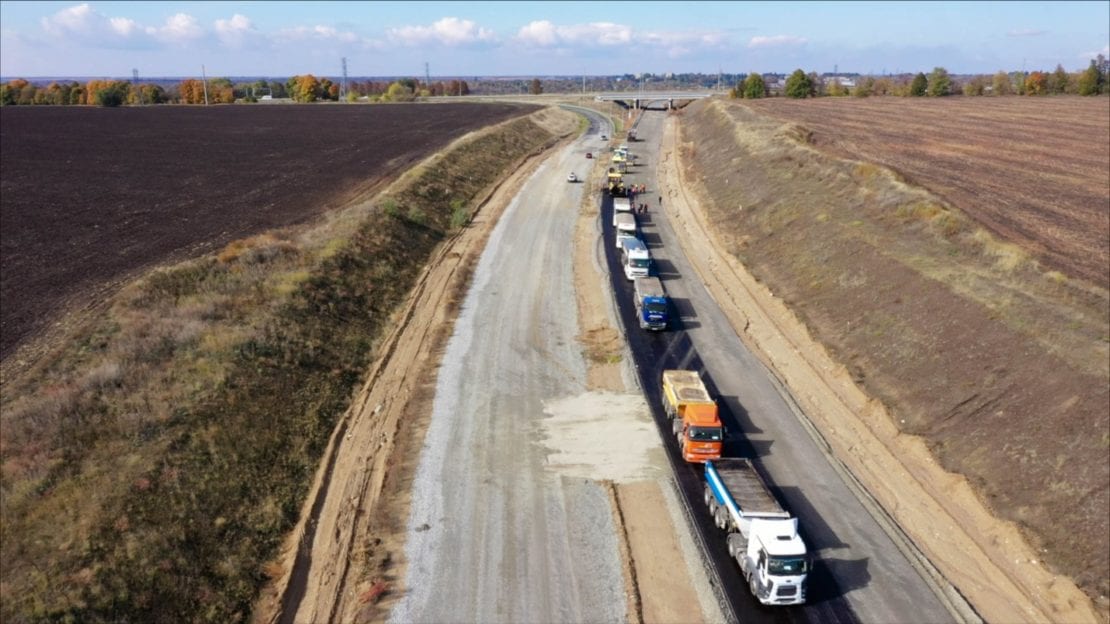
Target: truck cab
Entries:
(651, 304)
(695, 422)
(775, 562)
(635, 258)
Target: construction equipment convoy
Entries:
(651, 303)
(762, 536)
(693, 414)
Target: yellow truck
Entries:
(693, 413)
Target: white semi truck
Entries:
(762, 536)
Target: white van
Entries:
(626, 228)
(635, 258)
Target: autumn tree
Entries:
(536, 88)
(398, 92)
(1059, 80)
(816, 85)
(1091, 80)
(189, 90)
(835, 88)
(1036, 83)
(882, 86)
(797, 85)
(754, 86)
(975, 86)
(1000, 84)
(919, 85)
(304, 88)
(864, 87)
(939, 82)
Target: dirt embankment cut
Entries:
(1032, 170)
(197, 411)
(999, 366)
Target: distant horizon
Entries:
(506, 77)
(391, 39)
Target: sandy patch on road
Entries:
(602, 436)
(984, 558)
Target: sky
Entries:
(279, 39)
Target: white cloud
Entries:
(232, 32)
(775, 41)
(178, 27)
(124, 27)
(543, 33)
(80, 20)
(319, 33)
(1105, 52)
(449, 31)
(1026, 32)
(82, 23)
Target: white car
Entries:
(572, 178)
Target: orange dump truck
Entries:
(693, 414)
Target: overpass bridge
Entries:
(646, 99)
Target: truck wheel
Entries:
(707, 495)
(754, 586)
(713, 507)
(722, 518)
(736, 546)
(676, 426)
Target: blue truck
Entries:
(651, 304)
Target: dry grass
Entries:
(198, 407)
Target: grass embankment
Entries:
(152, 468)
(1001, 366)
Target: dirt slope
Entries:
(1032, 170)
(915, 302)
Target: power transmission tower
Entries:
(427, 77)
(343, 87)
(135, 82)
(204, 81)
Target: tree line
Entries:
(304, 88)
(938, 83)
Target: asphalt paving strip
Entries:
(654, 352)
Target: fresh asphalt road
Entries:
(859, 574)
(493, 535)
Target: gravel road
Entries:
(495, 534)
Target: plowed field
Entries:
(1032, 170)
(89, 196)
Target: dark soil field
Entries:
(90, 196)
(1032, 170)
(999, 365)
